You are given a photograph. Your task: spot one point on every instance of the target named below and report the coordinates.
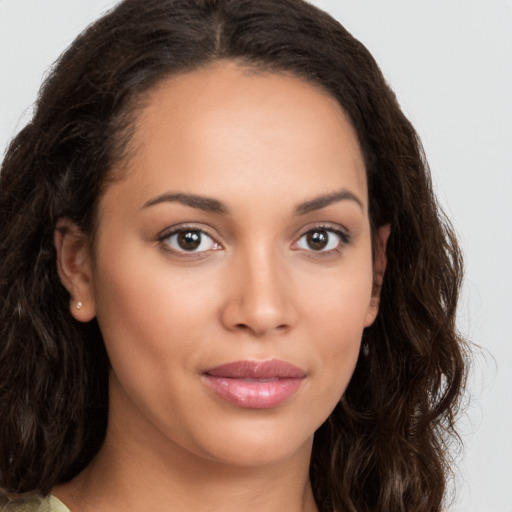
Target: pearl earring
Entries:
(78, 305)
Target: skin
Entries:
(261, 145)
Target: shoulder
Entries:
(48, 504)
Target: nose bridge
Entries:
(261, 300)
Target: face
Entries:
(232, 271)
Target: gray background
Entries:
(450, 63)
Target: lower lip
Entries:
(254, 393)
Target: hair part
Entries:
(384, 446)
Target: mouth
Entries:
(255, 384)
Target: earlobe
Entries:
(74, 268)
(379, 269)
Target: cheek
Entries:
(337, 311)
(155, 326)
(338, 332)
(148, 313)
(339, 301)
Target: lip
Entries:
(255, 384)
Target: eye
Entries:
(189, 240)
(322, 240)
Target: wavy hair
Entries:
(383, 448)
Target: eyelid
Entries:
(173, 230)
(343, 233)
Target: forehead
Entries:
(227, 124)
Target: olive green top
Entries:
(48, 504)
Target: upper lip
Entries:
(270, 369)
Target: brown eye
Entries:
(189, 240)
(322, 240)
(317, 240)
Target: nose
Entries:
(260, 298)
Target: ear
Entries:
(75, 269)
(379, 268)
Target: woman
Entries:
(225, 280)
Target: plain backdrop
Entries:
(450, 64)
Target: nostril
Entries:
(258, 332)
(256, 313)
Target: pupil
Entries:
(189, 240)
(317, 240)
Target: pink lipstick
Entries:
(255, 384)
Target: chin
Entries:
(255, 442)
(259, 454)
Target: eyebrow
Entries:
(323, 201)
(207, 204)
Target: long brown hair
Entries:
(383, 448)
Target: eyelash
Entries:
(344, 239)
(184, 253)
